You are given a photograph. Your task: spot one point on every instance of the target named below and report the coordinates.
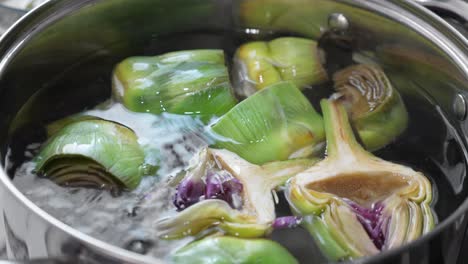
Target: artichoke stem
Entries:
(341, 141)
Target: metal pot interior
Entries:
(58, 60)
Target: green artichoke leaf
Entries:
(92, 153)
(194, 82)
(275, 124)
(260, 64)
(226, 250)
(240, 204)
(355, 204)
(376, 109)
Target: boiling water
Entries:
(127, 219)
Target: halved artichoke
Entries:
(260, 64)
(277, 123)
(194, 82)
(92, 153)
(376, 109)
(223, 191)
(224, 250)
(355, 204)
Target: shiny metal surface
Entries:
(458, 7)
(337, 21)
(459, 107)
(453, 11)
(65, 44)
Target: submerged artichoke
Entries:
(92, 153)
(194, 82)
(376, 109)
(224, 191)
(260, 64)
(223, 250)
(277, 123)
(292, 16)
(355, 204)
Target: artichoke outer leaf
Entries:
(376, 109)
(275, 124)
(340, 195)
(260, 64)
(324, 239)
(58, 125)
(253, 68)
(257, 213)
(206, 214)
(298, 60)
(106, 149)
(225, 250)
(193, 82)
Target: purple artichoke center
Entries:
(372, 220)
(219, 185)
(223, 186)
(189, 192)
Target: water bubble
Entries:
(140, 246)
(133, 211)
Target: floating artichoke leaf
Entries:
(194, 82)
(376, 109)
(245, 208)
(92, 153)
(225, 250)
(260, 64)
(355, 204)
(277, 123)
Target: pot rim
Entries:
(433, 27)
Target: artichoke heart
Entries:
(355, 204)
(194, 82)
(223, 250)
(376, 109)
(92, 153)
(221, 190)
(277, 123)
(260, 64)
